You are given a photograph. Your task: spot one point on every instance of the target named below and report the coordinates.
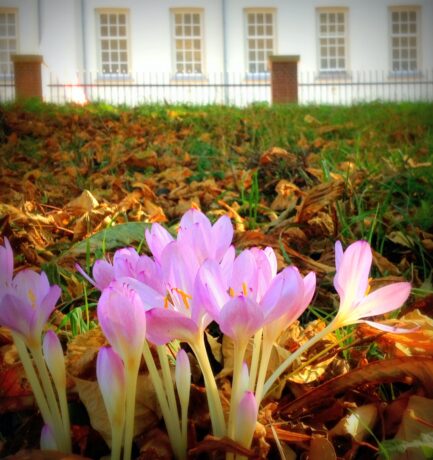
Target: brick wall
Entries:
(28, 78)
(284, 79)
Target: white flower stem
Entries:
(131, 369)
(171, 424)
(213, 398)
(168, 381)
(238, 359)
(294, 356)
(264, 363)
(61, 391)
(64, 439)
(116, 441)
(33, 380)
(255, 359)
(171, 398)
(184, 425)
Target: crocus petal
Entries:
(388, 328)
(48, 440)
(222, 235)
(272, 258)
(6, 264)
(179, 266)
(245, 277)
(110, 372)
(164, 325)
(31, 286)
(54, 358)
(150, 273)
(16, 314)
(46, 307)
(210, 290)
(383, 300)
(103, 274)
(124, 262)
(265, 269)
(309, 288)
(195, 231)
(246, 418)
(351, 279)
(122, 317)
(84, 274)
(241, 318)
(284, 295)
(148, 295)
(226, 264)
(338, 254)
(157, 239)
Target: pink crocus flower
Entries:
(27, 304)
(122, 317)
(110, 372)
(207, 241)
(246, 419)
(180, 315)
(127, 263)
(254, 289)
(351, 282)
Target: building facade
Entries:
(197, 43)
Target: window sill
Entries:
(336, 76)
(114, 78)
(7, 78)
(189, 79)
(262, 77)
(406, 74)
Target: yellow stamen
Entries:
(245, 288)
(166, 301)
(185, 297)
(32, 298)
(231, 292)
(367, 291)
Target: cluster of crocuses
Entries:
(174, 294)
(26, 303)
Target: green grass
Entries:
(390, 146)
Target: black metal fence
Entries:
(365, 86)
(7, 88)
(231, 89)
(154, 88)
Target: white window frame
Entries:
(9, 74)
(404, 52)
(332, 53)
(100, 38)
(179, 74)
(265, 61)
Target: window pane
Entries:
(113, 26)
(188, 51)
(260, 25)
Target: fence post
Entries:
(284, 79)
(28, 78)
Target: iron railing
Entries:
(231, 89)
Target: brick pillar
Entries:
(28, 78)
(284, 79)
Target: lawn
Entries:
(80, 182)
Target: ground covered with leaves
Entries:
(77, 183)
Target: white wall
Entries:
(28, 24)
(67, 48)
